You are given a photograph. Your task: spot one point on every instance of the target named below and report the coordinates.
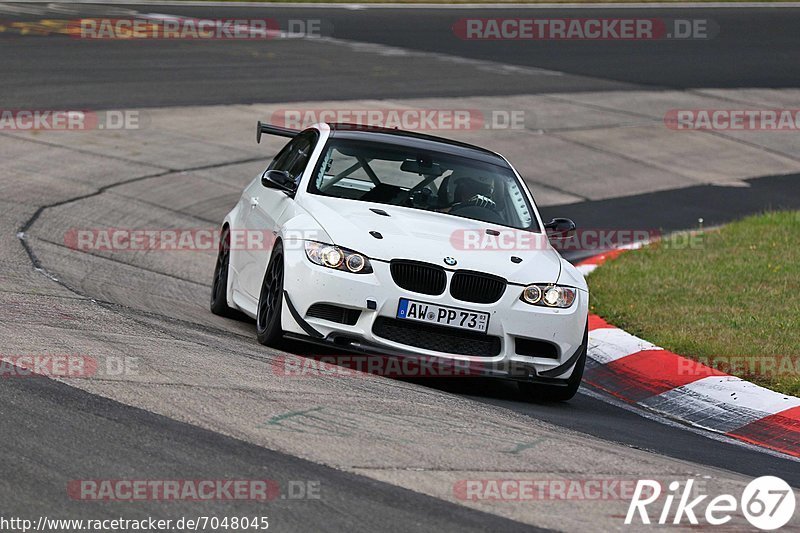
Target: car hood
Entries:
(431, 237)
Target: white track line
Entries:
(610, 344)
(734, 390)
(647, 413)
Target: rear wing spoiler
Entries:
(274, 130)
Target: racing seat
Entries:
(382, 194)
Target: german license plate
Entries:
(443, 315)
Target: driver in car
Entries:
(471, 192)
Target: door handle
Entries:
(253, 201)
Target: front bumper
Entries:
(306, 284)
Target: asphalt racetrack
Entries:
(203, 399)
(753, 48)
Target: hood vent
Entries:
(379, 212)
(376, 234)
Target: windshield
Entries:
(431, 181)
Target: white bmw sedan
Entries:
(388, 242)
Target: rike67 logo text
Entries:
(767, 502)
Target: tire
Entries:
(270, 301)
(556, 393)
(219, 287)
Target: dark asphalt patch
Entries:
(680, 209)
(609, 422)
(54, 433)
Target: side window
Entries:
(293, 158)
(279, 162)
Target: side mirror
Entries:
(560, 228)
(278, 179)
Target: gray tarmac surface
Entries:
(413, 53)
(204, 399)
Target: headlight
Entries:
(356, 263)
(549, 295)
(337, 258)
(331, 257)
(532, 294)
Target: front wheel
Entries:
(556, 393)
(270, 301)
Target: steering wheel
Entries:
(477, 212)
